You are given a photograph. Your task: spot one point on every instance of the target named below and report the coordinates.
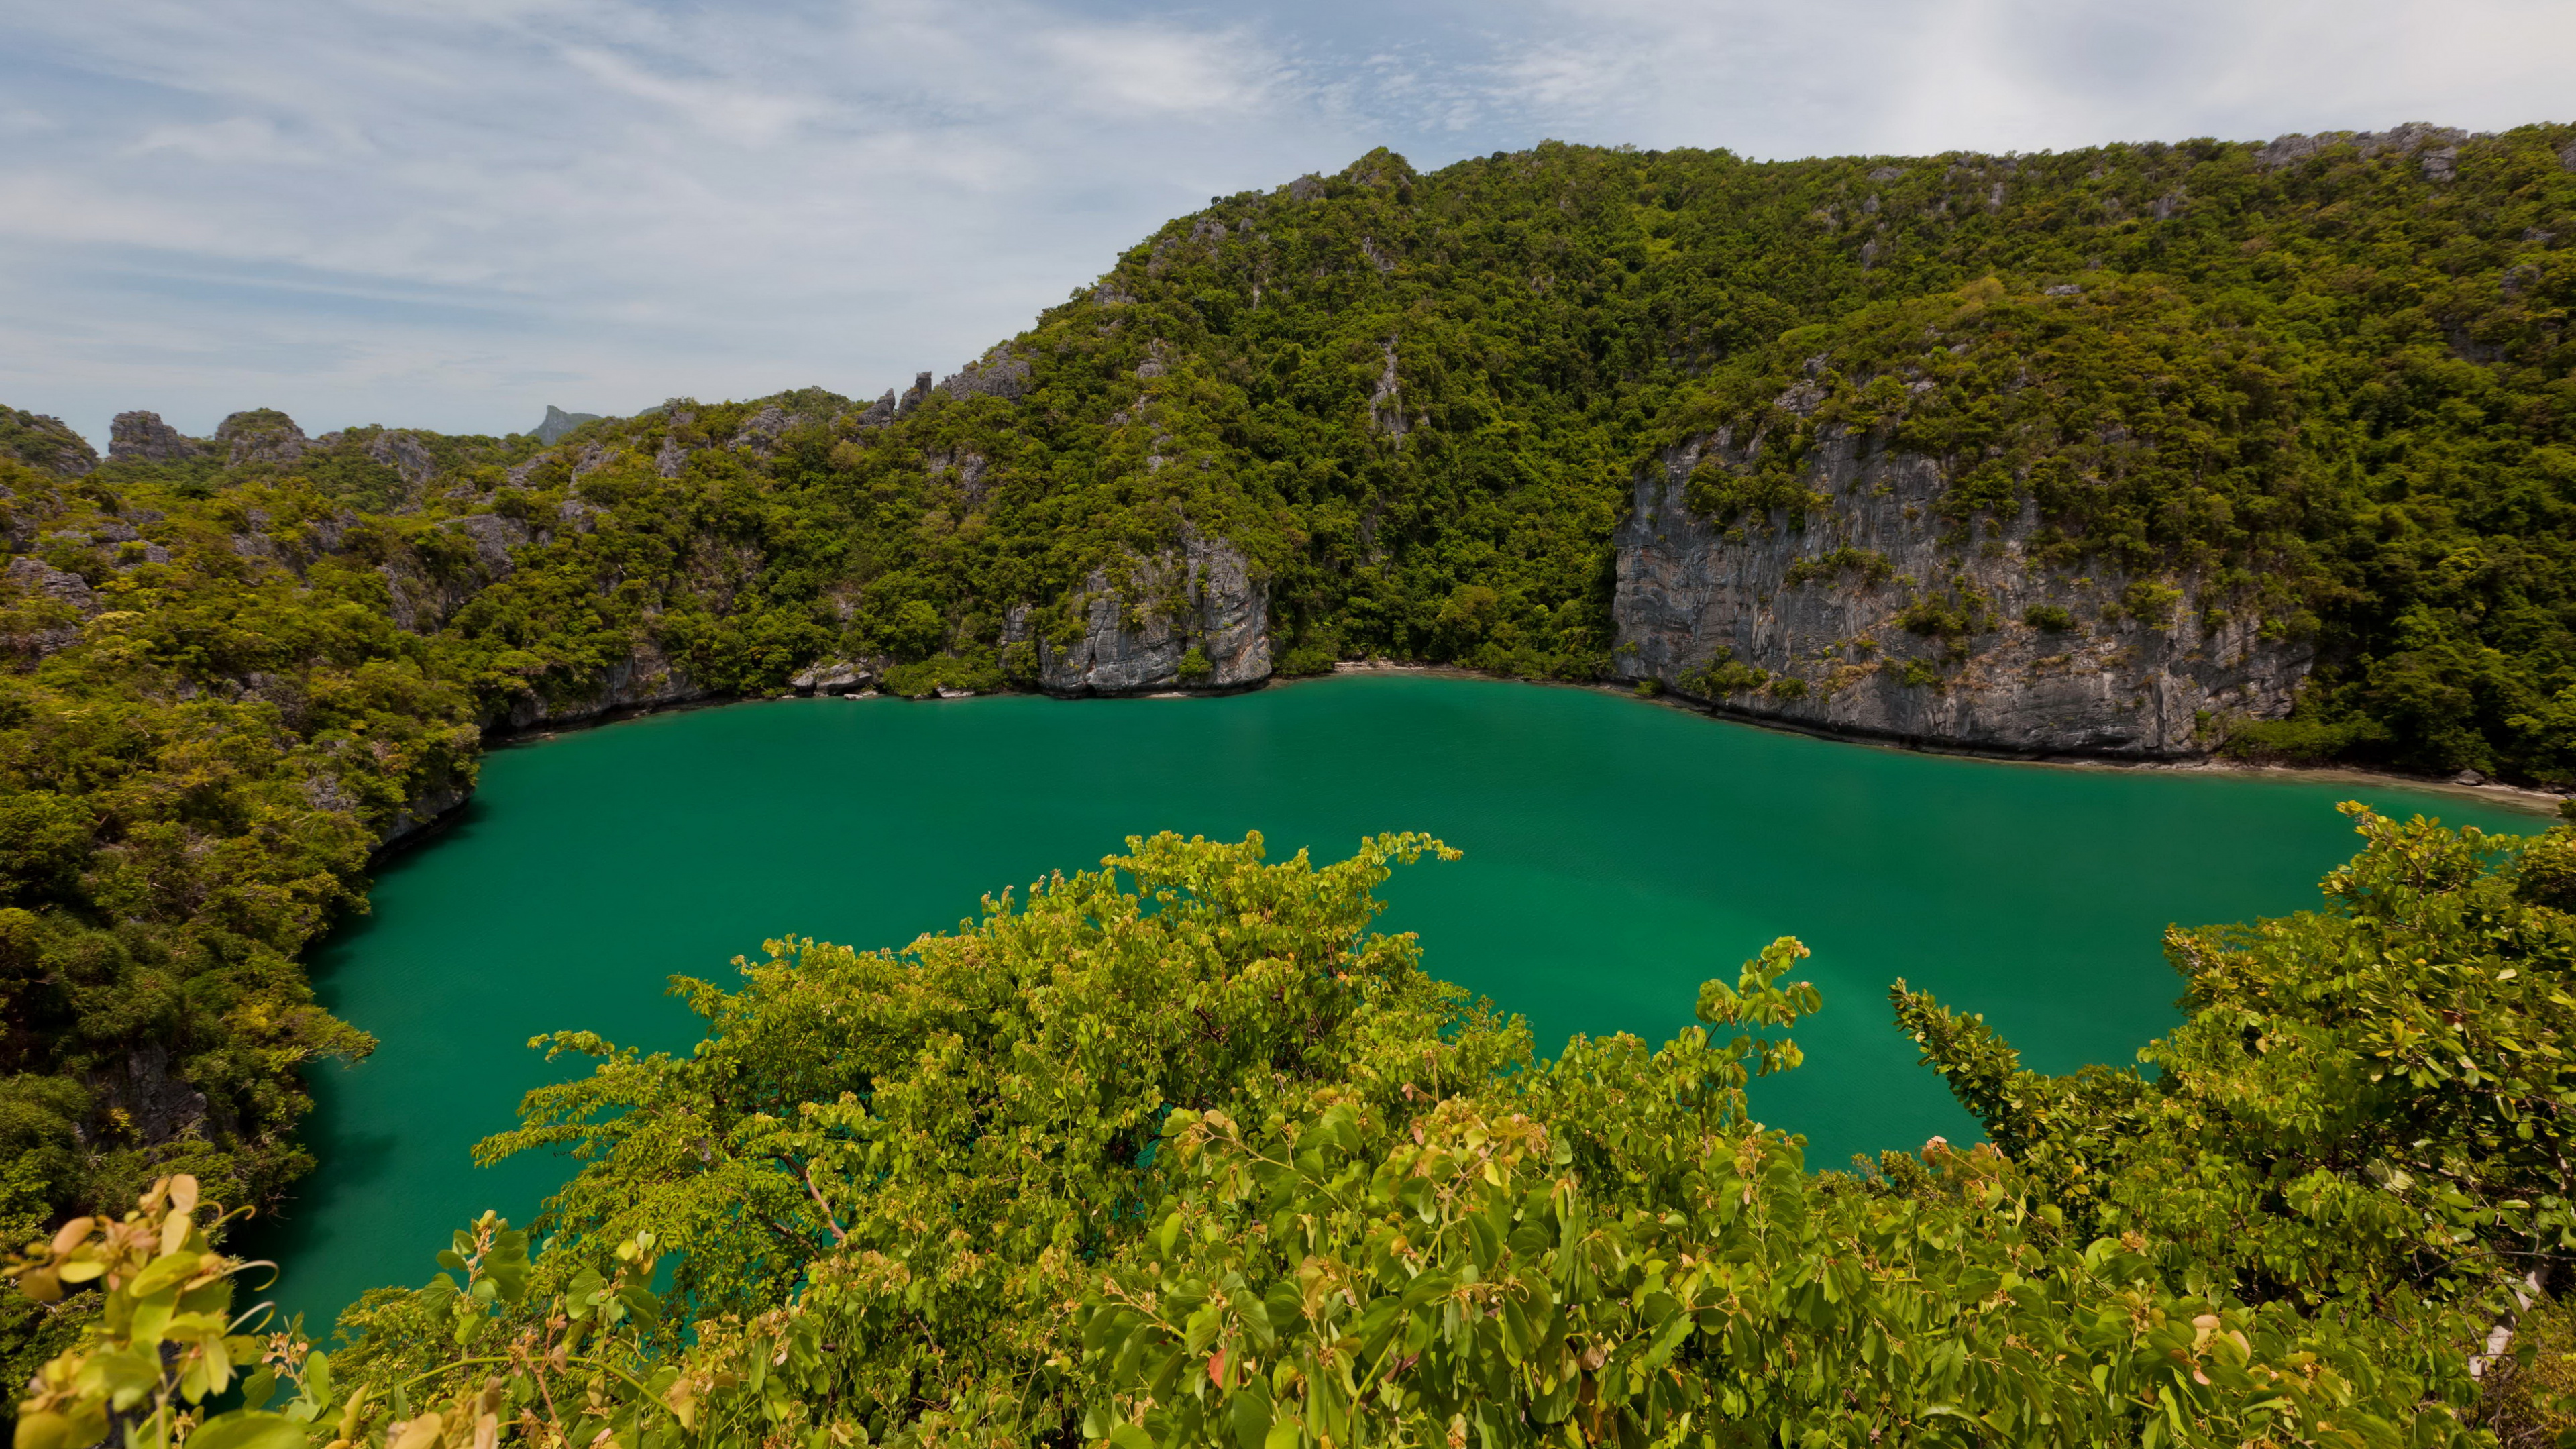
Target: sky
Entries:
(451, 213)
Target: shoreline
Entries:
(2516, 797)
(2541, 804)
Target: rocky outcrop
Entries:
(913, 396)
(1386, 399)
(42, 579)
(402, 450)
(2438, 147)
(143, 1097)
(645, 679)
(996, 374)
(49, 631)
(141, 437)
(557, 423)
(261, 435)
(1865, 622)
(833, 678)
(423, 600)
(424, 811)
(1192, 618)
(43, 441)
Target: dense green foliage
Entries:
(2329, 382)
(1181, 1153)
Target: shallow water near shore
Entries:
(1617, 854)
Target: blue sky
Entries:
(449, 213)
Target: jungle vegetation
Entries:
(1180, 1152)
(2329, 377)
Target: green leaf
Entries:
(248, 1431)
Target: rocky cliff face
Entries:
(43, 441)
(1865, 621)
(645, 679)
(1194, 618)
(141, 437)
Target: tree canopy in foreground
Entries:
(1181, 1152)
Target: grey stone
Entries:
(403, 452)
(157, 1104)
(1386, 399)
(1201, 596)
(760, 432)
(260, 436)
(996, 374)
(832, 677)
(645, 679)
(2412, 137)
(1687, 594)
(427, 806)
(42, 440)
(913, 396)
(494, 537)
(557, 423)
(141, 437)
(35, 576)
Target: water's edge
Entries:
(2539, 803)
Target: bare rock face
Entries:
(2438, 146)
(36, 579)
(1199, 600)
(833, 678)
(996, 374)
(39, 577)
(422, 601)
(401, 450)
(141, 437)
(43, 441)
(424, 811)
(494, 537)
(261, 435)
(645, 679)
(913, 396)
(157, 1102)
(557, 423)
(1810, 625)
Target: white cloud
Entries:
(1142, 70)
(238, 141)
(451, 212)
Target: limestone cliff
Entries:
(645, 679)
(141, 437)
(1866, 620)
(42, 441)
(1191, 618)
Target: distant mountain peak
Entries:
(558, 422)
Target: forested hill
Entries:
(2213, 426)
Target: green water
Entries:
(1617, 853)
